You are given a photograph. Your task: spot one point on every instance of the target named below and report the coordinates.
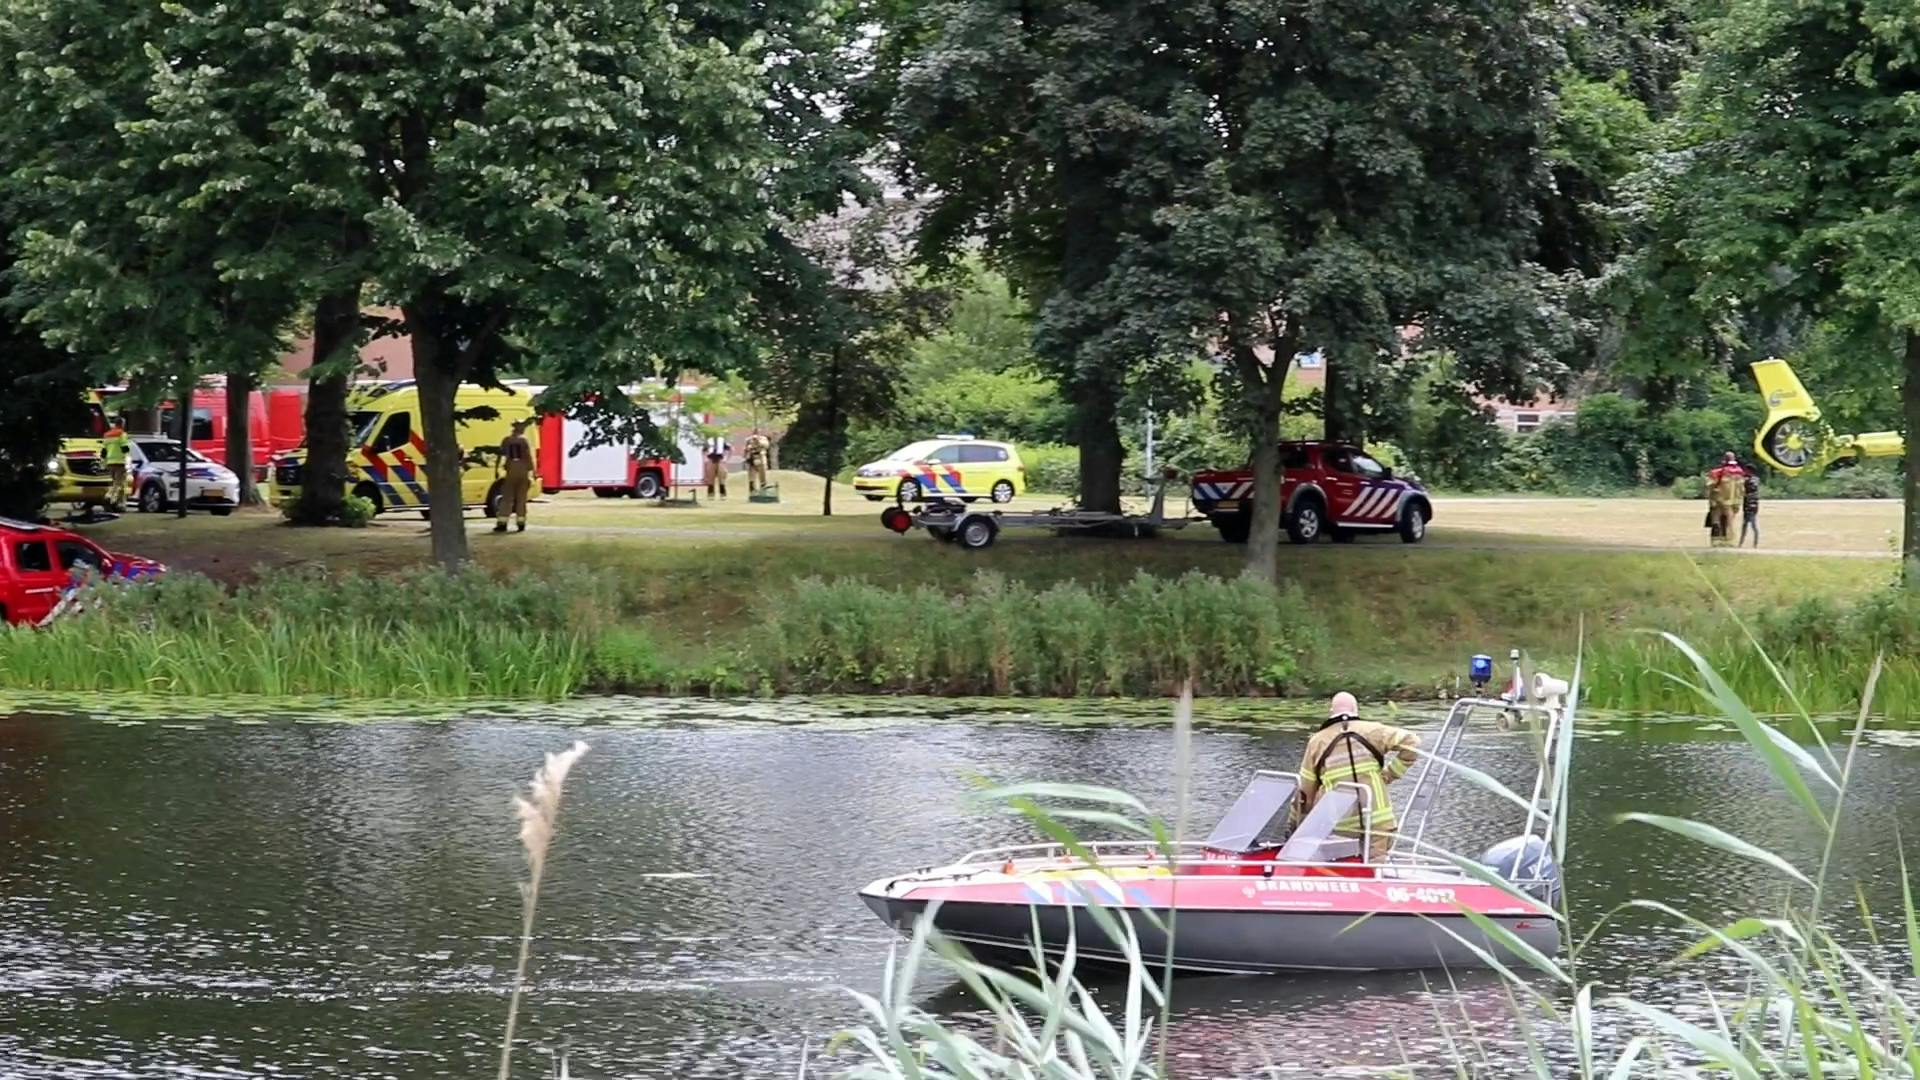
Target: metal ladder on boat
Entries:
(1413, 819)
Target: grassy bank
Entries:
(734, 600)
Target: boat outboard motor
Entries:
(1528, 862)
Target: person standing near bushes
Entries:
(1750, 510)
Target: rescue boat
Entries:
(1256, 898)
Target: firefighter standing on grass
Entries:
(1726, 490)
(759, 451)
(113, 454)
(1349, 750)
(516, 461)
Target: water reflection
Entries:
(338, 899)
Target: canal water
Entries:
(319, 895)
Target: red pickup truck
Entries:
(39, 564)
(1329, 489)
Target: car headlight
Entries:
(53, 466)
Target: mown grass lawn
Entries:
(1494, 574)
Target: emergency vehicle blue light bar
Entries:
(1480, 669)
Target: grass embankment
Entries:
(615, 595)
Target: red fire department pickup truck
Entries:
(1328, 489)
(38, 564)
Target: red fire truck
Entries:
(1328, 489)
(613, 470)
(276, 423)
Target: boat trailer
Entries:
(949, 519)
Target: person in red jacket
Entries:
(1726, 488)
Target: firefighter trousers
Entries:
(514, 491)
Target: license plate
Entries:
(218, 493)
(1227, 504)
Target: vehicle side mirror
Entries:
(1388, 473)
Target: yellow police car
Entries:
(945, 466)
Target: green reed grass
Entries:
(1148, 635)
(425, 634)
(1823, 650)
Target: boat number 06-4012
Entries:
(1398, 894)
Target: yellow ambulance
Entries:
(78, 473)
(387, 451)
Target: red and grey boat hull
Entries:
(1230, 924)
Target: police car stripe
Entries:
(1399, 500)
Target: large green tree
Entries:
(1797, 176)
(1301, 176)
(581, 182)
(1016, 121)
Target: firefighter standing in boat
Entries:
(1349, 750)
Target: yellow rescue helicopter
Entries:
(1793, 438)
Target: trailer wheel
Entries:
(977, 532)
(647, 486)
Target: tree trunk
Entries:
(182, 429)
(1097, 427)
(836, 439)
(1336, 419)
(336, 338)
(437, 371)
(1910, 404)
(1264, 387)
(239, 452)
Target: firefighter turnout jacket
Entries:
(1348, 751)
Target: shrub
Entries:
(1052, 469)
(1231, 636)
(426, 633)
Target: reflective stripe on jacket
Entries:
(1355, 752)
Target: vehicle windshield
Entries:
(914, 451)
(94, 426)
(362, 422)
(161, 451)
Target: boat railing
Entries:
(1148, 851)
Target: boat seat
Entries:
(1314, 841)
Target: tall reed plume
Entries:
(539, 814)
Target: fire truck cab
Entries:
(1327, 489)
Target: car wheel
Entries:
(1234, 528)
(1003, 491)
(1307, 522)
(426, 515)
(910, 491)
(977, 532)
(873, 498)
(222, 511)
(1413, 524)
(495, 495)
(153, 500)
(647, 486)
(371, 494)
